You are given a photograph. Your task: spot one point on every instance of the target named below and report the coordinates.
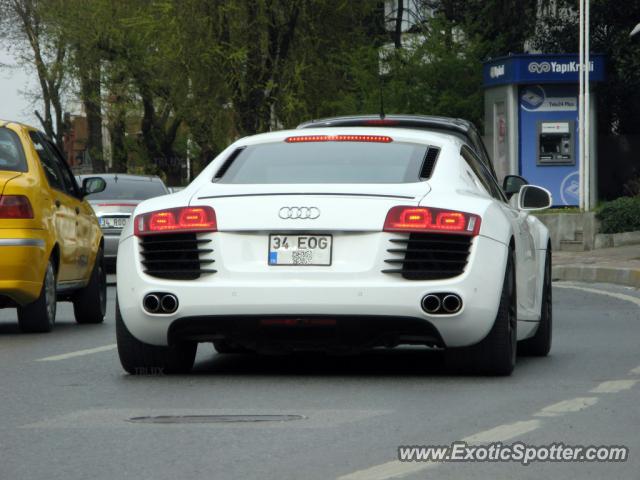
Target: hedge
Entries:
(620, 215)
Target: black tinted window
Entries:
(11, 153)
(68, 180)
(127, 189)
(49, 163)
(327, 162)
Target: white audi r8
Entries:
(342, 235)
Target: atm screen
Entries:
(555, 143)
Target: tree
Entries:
(35, 44)
(501, 27)
(611, 23)
(439, 73)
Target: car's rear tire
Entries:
(139, 358)
(540, 344)
(40, 316)
(90, 302)
(496, 353)
(225, 346)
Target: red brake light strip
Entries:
(339, 138)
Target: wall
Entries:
(563, 226)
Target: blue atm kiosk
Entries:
(531, 120)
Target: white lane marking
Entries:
(503, 432)
(614, 386)
(79, 353)
(397, 469)
(393, 469)
(620, 296)
(566, 406)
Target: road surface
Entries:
(67, 406)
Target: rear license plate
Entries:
(300, 249)
(113, 222)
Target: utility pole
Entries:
(190, 97)
(584, 109)
(587, 108)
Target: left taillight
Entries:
(176, 220)
(435, 220)
(15, 207)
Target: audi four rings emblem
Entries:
(294, 213)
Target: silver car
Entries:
(115, 204)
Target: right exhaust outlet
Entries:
(451, 303)
(169, 303)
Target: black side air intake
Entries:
(176, 255)
(429, 256)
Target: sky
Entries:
(13, 81)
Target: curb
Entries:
(592, 274)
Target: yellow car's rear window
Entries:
(11, 152)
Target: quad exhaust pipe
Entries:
(441, 303)
(166, 303)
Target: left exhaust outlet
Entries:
(151, 303)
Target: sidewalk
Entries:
(620, 265)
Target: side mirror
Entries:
(533, 197)
(512, 184)
(93, 185)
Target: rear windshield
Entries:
(122, 189)
(327, 162)
(11, 153)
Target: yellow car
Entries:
(50, 242)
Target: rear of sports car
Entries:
(310, 241)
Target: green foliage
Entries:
(620, 215)
(178, 77)
(611, 23)
(440, 74)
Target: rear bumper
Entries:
(207, 301)
(23, 258)
(110, 244)
(286, 333)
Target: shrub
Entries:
(620, 215)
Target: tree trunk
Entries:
(92, 101)
(118, 150)
(397, 33)
(158, 136)
(29, 22)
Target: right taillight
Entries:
(15, 207)
(435, 220)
